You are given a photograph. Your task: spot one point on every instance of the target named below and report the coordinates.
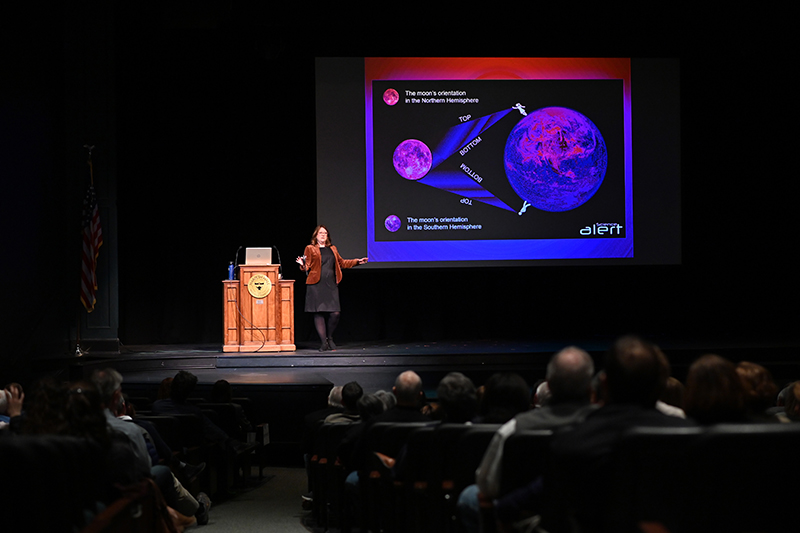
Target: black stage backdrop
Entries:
(215, 149)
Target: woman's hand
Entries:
(301, 260)
(362, 260)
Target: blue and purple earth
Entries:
(555, 159)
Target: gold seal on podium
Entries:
(259, 286)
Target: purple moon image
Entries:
(390, 97)
(555, 159)
(412, 159)
(392, 223)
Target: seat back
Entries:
(651, 480)
(225, 418)
(168, 427)
(64, 474)
(743, 478)
(525, 457)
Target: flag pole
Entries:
(79, 352)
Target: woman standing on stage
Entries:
(323, 267)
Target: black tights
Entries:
(325, 324)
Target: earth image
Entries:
(412, 159)
(555, 159)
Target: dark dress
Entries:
(324, 296)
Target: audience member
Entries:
(672, 390)
(409, 400)
(792, 402)
(458, 401)
(183, 385)
(632, 381)
(369, 406)
(11, 399)
(388, 399)
(160, 452)
(311, 423)
(541, 394)
(74, 410)
(109, 386)
(759, 392)
(164, 389)
(569, 376)
(313, 420)
(504, 395)
(221, 392)
(714, 391)
(351, 393)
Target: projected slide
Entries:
(472, 160)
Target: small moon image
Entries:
(392, 223)
(390, 97)
(412, 159)
(555, 159)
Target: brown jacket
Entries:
(314, 263)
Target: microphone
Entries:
(236, 257)
(280, 265)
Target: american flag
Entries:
(92, 240)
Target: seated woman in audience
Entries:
(75, 409)
(759, 392)
(505, 394)
(714, 391)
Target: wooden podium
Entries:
(258, 311)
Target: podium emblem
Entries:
(259, 286)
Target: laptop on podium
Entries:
(258, 256)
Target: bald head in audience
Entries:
(569, 375)
(408, 389)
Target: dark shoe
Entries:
(202, 511)
(308, 501)
(324, 347)
(331, 345)
(190, 472)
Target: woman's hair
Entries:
(314, 235)
(759, 387)
(67, 409)
(714, 391)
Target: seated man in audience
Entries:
(632, 381)
(410, 398)
(109, 386)
(409, 401)
(351, 393)
(569, 378)
(458, 399)
(182, 386)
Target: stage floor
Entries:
(376, 364)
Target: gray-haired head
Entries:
(107, 381)
(335, 397)
(569, 375)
